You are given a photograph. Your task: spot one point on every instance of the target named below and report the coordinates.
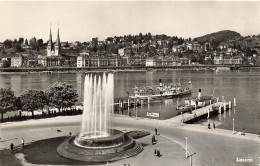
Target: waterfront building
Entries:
(16, 60)
(81, 62)
(184, 61)
(84, 60)
(150, 62)
(227, 60)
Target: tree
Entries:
(7, 100)
(8, 43)
(40, 43)
(26, 42)
(61, 95)
(17, 47)
(32, 100)
(20, 41)
(33, 43)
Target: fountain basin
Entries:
(115, 138)
(102, 151)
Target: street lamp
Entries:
(186, 147)
(233, 126)
(159, 113)
(136, 107)
(191, 158)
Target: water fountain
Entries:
(97, 141)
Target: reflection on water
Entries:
(244, 85)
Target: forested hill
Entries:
(217, 37)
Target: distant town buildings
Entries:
(138, 50)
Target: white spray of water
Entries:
(98, 105)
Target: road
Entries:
(212, 147)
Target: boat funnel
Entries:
(160, 82)
(199, 94)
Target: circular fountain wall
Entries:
(111, 148)
(97, 142)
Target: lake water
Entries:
(244, 85)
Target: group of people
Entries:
(154, 141)
(157, 152)
(214, 126)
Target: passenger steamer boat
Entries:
(161, 91)
(191, 104)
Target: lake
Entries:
(244, 85)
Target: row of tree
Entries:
(35, 44)
(59, 95)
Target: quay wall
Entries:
(83, 69)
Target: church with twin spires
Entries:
(54, 49)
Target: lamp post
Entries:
(186, 147)
(191, 158)
(233, 126)
(159, 113)
(136, 107)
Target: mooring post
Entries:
(128, 103)
(219, 109)
(235, 103)
(229, 105)
(225, 105)
(148, 99)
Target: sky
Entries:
(84, 20)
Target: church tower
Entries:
(50, 47)
(58, 45)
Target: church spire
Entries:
(50, 39)
(58, 37)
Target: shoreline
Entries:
(118, 68)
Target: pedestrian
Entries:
(153, 140)
(155, 152)
(22, 142)
(214, 126)
(12, 146)
(158, 153)
(155, 131)
(209, 126)
(243, 131)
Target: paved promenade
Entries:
(213, 147)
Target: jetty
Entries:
(200, 113)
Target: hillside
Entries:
(218, 37)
